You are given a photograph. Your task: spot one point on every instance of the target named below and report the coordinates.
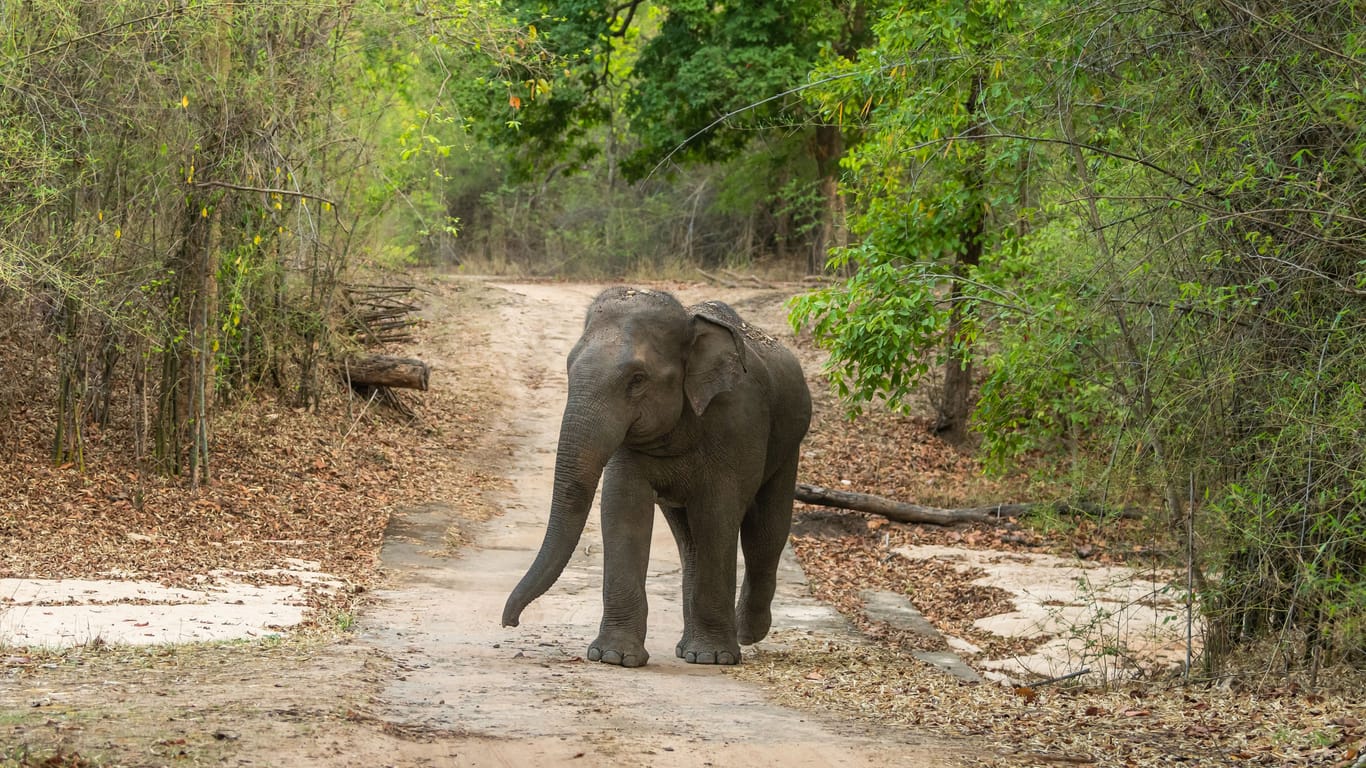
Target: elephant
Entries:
(699, 413)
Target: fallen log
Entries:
(386, 371)
(905, 512)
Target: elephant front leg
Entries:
(687, 555)
(627, 522)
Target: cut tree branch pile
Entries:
(905, 512)
(380, 315)
(383, 314)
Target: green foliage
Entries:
(933, 208)
(722, 59)
(625, 91)
(872, 325)
(1169, 292)
(574, 225)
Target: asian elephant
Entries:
(698, 412)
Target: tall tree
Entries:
(933, 200)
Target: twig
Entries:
(1048, 757)
(96, 33)
(1061, 678)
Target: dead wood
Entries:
(750, 279)
(721, 281)
(905, 512)
(386, 371)
(382, 314)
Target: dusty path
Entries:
(490, 695)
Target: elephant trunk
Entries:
(586, 443)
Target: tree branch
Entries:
(630, 8)
(96, 33)
(266, 191)
(1066, 142)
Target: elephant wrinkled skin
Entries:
(695, 411)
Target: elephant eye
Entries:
(636, 381)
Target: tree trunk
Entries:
(829, 148)
(954, 408)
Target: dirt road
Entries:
(428, 677)
(525, 696)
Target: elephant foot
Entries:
(698, 652)
(612, 648)
(752, 625)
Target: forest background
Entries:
(1122, 241)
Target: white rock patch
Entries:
(62, 613)
(1115, 620)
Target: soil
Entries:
(426, 675)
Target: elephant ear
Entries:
(717, 358)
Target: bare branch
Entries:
(266, 191)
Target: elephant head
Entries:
(642, 365)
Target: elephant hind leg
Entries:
(677, 518)
(763, 535)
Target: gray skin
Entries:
(697, 412)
